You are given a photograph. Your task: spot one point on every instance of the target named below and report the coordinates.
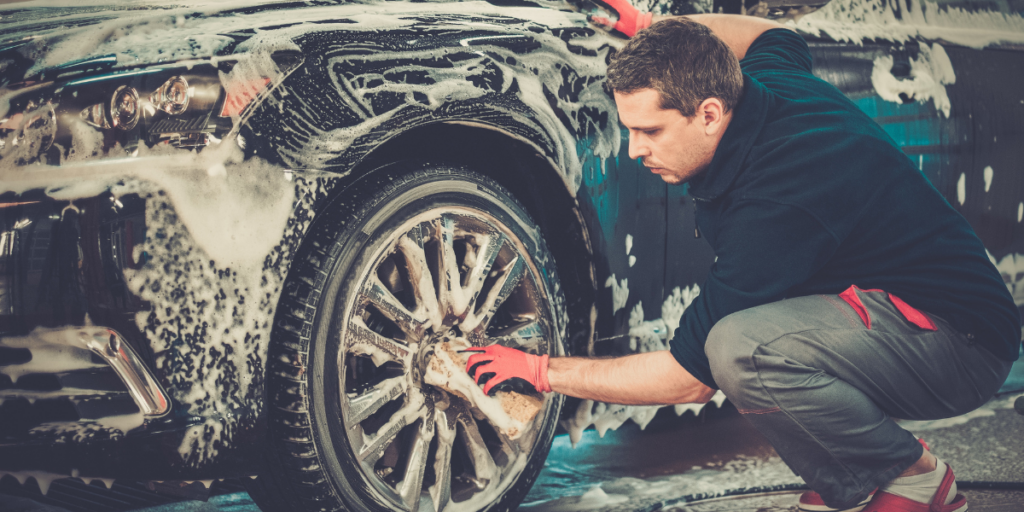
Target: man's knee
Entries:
(730, 348)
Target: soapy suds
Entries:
(202, 442)
(620, 292)
(859, 21)
(212, 295)
(629, 247)
(1011, 267)
(449, 75)
(988, 174)
(644, 336)
(200, 307)
(930, 73)
(236, 216)
(653, 335)
(961, 189)
(32, 395)
(539, 74)
(216, 247)
(140, 37)
(42, 478)
(657, 493)
(77, 432)
(210, 322)
(594, 499)
(53, 351)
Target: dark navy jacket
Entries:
(808, 195)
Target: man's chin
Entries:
(671, 179)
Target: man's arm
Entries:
(650, 378)
(737, 31)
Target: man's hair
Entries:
(682, 60)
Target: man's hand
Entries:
(503, 364)
(630, 21)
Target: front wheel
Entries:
(405, 260)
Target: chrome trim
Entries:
(112, 347)
(8, 239)
(106, 343)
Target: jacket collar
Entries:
(747, 120)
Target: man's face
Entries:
(675, 147)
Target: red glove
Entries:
(505, 364)
(631, 20)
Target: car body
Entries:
(199, 201)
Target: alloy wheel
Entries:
(450, 274)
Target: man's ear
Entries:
(711, 113)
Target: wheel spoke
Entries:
(450, 296)
(487, 471)
(363, 406)
(374, 446)
(510, 447)
(485, 256)
(361, 340)
(503, 287)
(523, 335)
(411, 247)
(441, 491)
(377, 294)
(412, 484)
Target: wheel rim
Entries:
(449, 272)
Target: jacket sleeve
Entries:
(772, 248)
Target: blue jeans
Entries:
(823, 388)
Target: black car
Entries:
(233, 236)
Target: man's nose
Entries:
(637, 149)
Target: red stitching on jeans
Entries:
(841, 310)
(759, 411)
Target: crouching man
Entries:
(847, 291)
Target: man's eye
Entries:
(651, 133)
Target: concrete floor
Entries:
(633, 470)
(978, 501)
(630, 469)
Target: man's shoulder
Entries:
(777, 50)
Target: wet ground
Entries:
(678, 460)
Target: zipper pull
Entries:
(696, 228)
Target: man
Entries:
(846, 291)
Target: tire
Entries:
(351, 424)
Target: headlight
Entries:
(172, 97)
(124, 108)
(113, 114)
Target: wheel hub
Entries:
(425, 352)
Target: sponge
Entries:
(509, 411)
